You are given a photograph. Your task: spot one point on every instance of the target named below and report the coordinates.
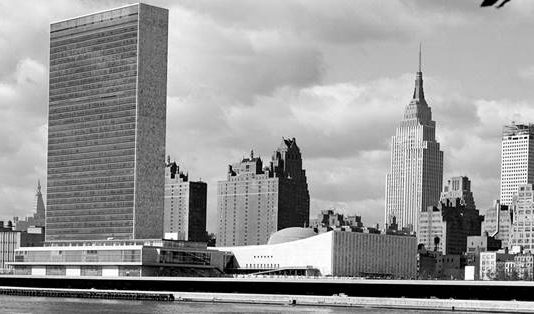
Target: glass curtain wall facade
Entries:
(106, 129)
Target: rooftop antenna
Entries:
(419, 56)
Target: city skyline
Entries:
(250, 84)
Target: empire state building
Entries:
(415, 178)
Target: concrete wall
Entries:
(314, 251)
(151, 119)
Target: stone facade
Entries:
(415, 178)
(185, 206)
(493, 265)
(445, 228)
(522, 231)
(255, 202)
(458, 188)
(106, 135)
(498, 222)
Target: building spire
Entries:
(419, 56)
(38, 186)
(418, 93)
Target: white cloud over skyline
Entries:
(334, 74)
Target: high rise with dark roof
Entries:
(415, 178)
(106, 125)
(256, 201)
(517, 159)
(185, 206)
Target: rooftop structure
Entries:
(458, 188)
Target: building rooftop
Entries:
(291, 234)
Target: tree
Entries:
(211, 239)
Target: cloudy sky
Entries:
(334, 74)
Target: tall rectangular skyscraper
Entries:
(106, 125)
(415, 178)
(517, 159)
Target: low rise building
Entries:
(477, 244)
(522, 233)
(450, 267)
(524, 266)
(445, 227)
(482, 243)
(329, 220)
(11, 240)
(117, 258)
(493, 265)
(333, 253)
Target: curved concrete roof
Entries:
(291, 234)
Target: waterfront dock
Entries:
(485, 296)
(88, 294)
(290, 300)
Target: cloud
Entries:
(23, 140)
(242, 74)
(526, 73)
(233, 62)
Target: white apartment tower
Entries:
(517, 159)
(415, 178)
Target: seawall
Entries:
(296, 300)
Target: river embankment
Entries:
(488, 306)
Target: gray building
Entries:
(106, 125)
(498, 222)
(458, 188)
(120, 258)
(522, 229)
(445, 228)
(415, 178)
(185, 206)
(256, 201)
(11, 240)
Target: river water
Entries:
(23, 304)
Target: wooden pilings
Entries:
(88, 294)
